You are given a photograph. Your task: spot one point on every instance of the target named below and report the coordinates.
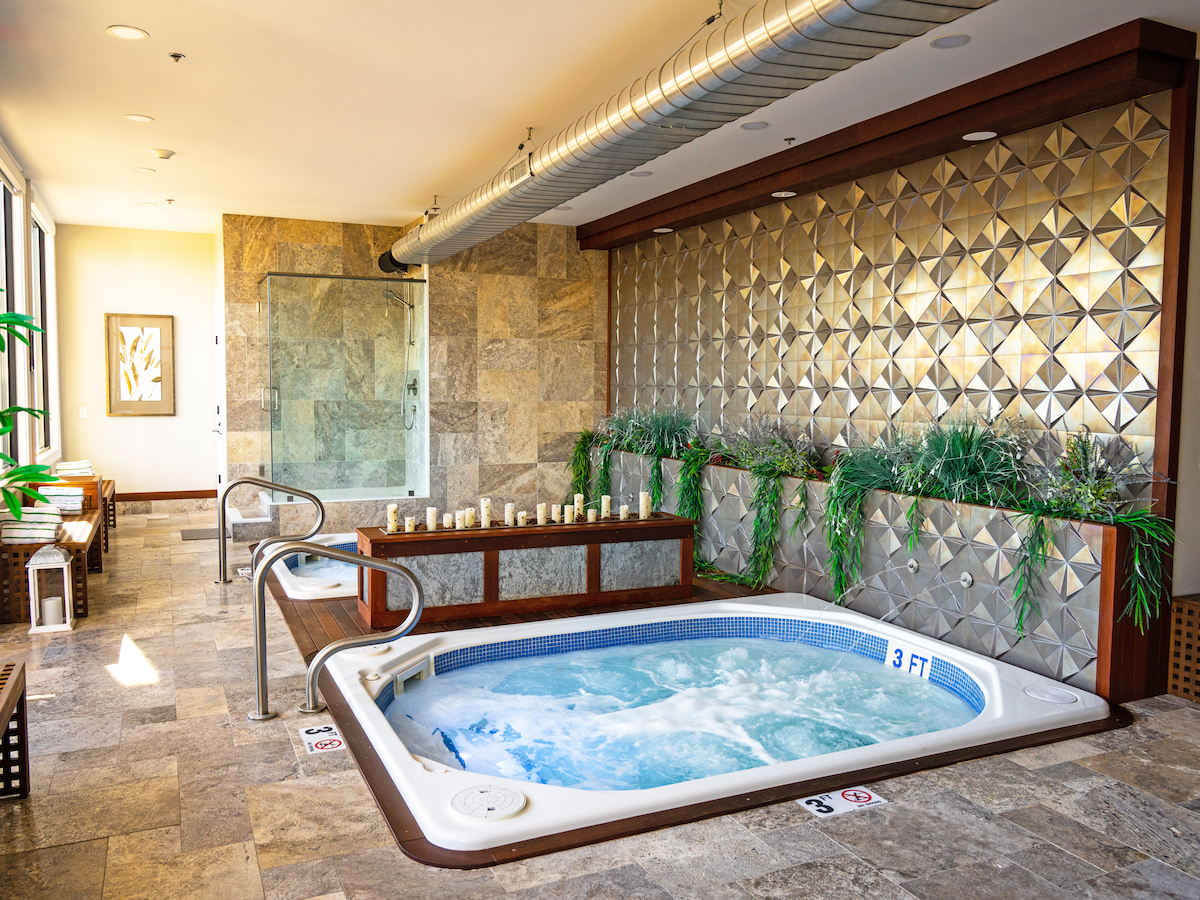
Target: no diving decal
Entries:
(321, 739)
(838, 802)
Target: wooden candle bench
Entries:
(525, 568)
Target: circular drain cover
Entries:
(1050, 694)
(317, 582)
(488, 802)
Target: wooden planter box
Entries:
(500, 570)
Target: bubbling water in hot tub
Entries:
(635, 717)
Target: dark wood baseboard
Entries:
(166, 495)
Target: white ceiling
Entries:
(361, 111)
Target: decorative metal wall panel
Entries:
(1021, 276)
(1059, 641)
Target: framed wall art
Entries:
(140, 358)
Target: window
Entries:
(39, 359)
(8, 365)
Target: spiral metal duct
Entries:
(768, 52)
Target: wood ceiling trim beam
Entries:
(1131, 60)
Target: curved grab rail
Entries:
(222, 553)
(312, 703)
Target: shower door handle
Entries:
(262, 399)
(274, 398)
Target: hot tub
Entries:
(1004, 702)
(305, 577)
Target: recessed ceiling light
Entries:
(146, 203)
(950, 41)
(663, 230)
(144, 170)
(976, 136)
(783, 195)
(754, 126)
(642, 174)
(138, 117)
(127, 32)
(163, 154)
(563, 208)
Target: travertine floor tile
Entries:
(48, 820)
(70, 872)
(217, 873)
(332, 815)
(191, 703)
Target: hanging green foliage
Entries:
(1151, 540)
(581, 467)
(856, 472)
(1032, 556)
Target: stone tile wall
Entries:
(518, 356)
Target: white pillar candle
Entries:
(485, 512)
(541, 514)
(624, 511)
(521, 517)
(447, 521)
(510, 514)
(644, 506)
(393, 519)
(591, 515)
(555, 513)
(431, 518)
(605, 506)
(410, 524)
(469, 516)
(569, 514)
(579, 506)
(460, 520)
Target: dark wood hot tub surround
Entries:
(492, 541)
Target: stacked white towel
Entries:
(37, 525)
(74, 469)
(67, 499)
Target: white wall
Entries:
(1187, 517)
(121, 270)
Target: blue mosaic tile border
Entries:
(799, 631)
(386, 696)
(293, 561)
(956, 681)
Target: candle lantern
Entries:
(55, 612)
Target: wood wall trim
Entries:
(165, 495)
(1173, 330)
(1131, 60)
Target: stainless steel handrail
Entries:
(313, 704)
(222, 553)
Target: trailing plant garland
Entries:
(961, 459)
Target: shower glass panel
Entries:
(346, 396)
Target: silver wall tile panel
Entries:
(1020, 276)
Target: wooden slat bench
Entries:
(14, 740)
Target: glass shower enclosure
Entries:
(346, 397)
